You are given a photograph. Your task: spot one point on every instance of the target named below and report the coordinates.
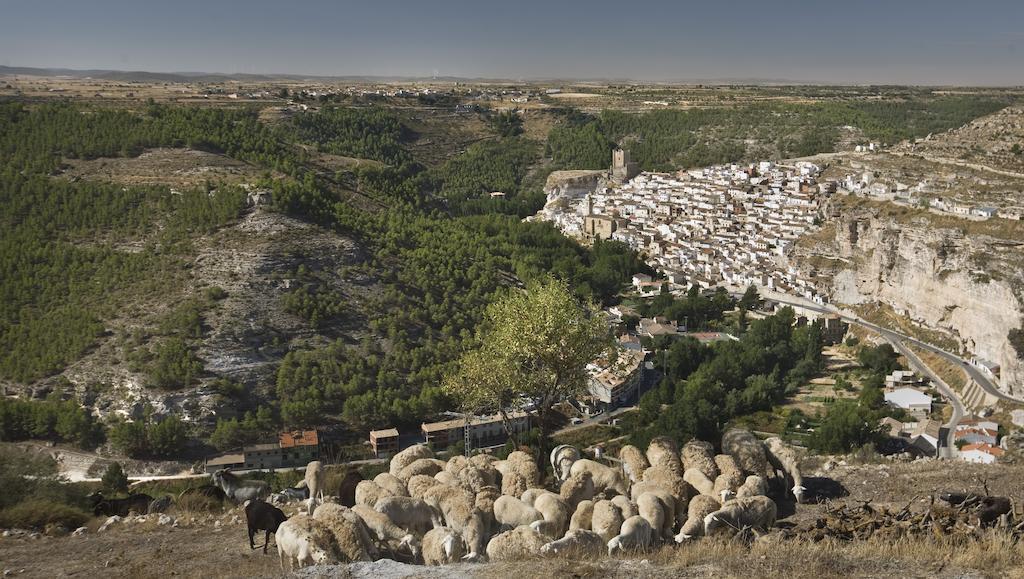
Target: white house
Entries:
(983, 453)
(913, 401)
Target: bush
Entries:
(38, 513)
(114, 478)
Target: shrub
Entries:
(37, 513)
(114, 478)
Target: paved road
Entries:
(946, 449)
(603, 417)
(975, 374)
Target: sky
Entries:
(963, 42)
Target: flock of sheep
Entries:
(480, 508)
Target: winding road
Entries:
(899, 342)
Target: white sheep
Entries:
(731, 475)
(427, 466)
(413, 515)
(606, 519)
(699, 481)
(578, 487)
(636, 535)
(626, 507)
(562, 457)
(547, 528)
(369, 492)
(392, 484)
(473, 478)
(456, 463)
(747, 449)
(352, 539)
(554, 510)
(663, 452)
(442, 545)
(314, 481)
(580, 542)
(516, 544)
(407, 456)
(385, 531)
(659, 511)
(419, 483)
(523, 467)
(513, 484)
(753, 486)
(700, 506)
(484, 504)
(700, 455)
(483, 460)
(529, 496)
(512, 512)
(605, 478)
(449, 502)
(668, 480)
(446, 478)
(302, 541)
(634, 463)
(582, 516)
(783, 458)
(751, 512)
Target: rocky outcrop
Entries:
(967, 285)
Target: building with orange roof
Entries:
(981, 453)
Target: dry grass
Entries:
(951, 373)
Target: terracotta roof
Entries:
(385, 433)
(986, 448)
(299, 438)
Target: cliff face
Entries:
(965, 284)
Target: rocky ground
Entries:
(198, 544)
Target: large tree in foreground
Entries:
(532, 350)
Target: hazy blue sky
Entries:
(857, 41)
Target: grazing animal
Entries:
(261, 516)
(352, 539)
(239, 489)
(752, 487)
(510, 512)
(413, 515)
(700, 455)
(581, 518)
(783, 458)
(606, 520)
(636, 535)
(314, 483)
(700, 507)
(606, 478)
(562, 457)
(577, 541)
(517, 544)
(346, 491)
(442, 545)
(634, 463)
(747, 449)
(386, 531)
(752, 512)
(303, 540)
(120, 507)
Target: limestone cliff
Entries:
(959, 277)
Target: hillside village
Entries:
(724, 225)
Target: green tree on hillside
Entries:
(533, 345)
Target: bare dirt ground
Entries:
(216, 545)
(174, 167)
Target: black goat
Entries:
(346, 491)
(261, 516)
(120, 507)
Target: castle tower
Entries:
(622, 168)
